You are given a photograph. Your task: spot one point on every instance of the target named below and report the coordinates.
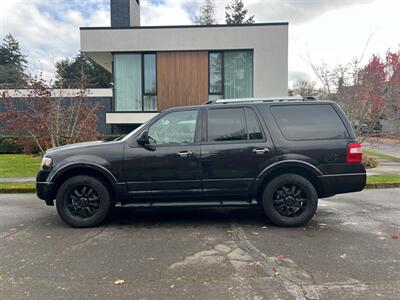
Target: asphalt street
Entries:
(350, 250)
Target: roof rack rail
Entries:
(260, 100)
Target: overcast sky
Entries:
(334, 31)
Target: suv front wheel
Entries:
(83, 201)
(290, 200)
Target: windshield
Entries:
(132, 133)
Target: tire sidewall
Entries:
(102, 192)
(278, 219)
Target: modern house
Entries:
(158, 67)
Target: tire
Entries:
(82, 207)
(290, 200)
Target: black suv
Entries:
(279, 153)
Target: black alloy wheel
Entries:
(290, 200)
(83, 201)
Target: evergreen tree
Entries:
(69, 73)
(207, 13)
(235, 13)
(13, 64)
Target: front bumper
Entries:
(44, 189)
(343, 183)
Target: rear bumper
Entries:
(342, 183)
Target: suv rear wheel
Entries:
(83, 201)
(290, 200)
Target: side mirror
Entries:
(144, 140)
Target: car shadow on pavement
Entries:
(187, 216)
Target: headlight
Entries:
(46, 163)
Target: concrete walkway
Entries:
(18, 179)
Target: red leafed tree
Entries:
(50, 118)
(367, 94)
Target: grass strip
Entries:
(17, 187)
(19, 165)
(384, 178)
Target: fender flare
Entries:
(96, 167)
(284, 164)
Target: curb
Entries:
(18, 191)
(371, 186)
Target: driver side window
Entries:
(174, 128)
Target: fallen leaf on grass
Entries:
(343, 256)
(395, 237)
(119, 282)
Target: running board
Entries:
(191, 204)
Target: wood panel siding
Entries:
(182, 78)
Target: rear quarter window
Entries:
(309, 122)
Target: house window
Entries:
(135, 82)
(238, 74)
(230, 74)
(216, 81)
(149, 82)
(128, 82)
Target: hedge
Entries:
(10, 145)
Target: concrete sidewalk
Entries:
(18, 179)
(384, 167)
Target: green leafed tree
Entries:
(13, 64)
(235, 13)
(207, 13)
(69, 73)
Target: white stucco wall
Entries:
(129, 118)
(269, 42)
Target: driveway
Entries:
(349, 250)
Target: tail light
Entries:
(354, 153)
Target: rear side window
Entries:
(253, 127)
(232, 124)
(309, 122)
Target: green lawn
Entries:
(381, 155)
(17, 187)
(384, 178)
(19, 165)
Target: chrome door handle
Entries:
(260, 151)
(185, 154)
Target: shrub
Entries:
(10, 145)
(18, 145)
(369, 162)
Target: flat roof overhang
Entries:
(100, 42)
